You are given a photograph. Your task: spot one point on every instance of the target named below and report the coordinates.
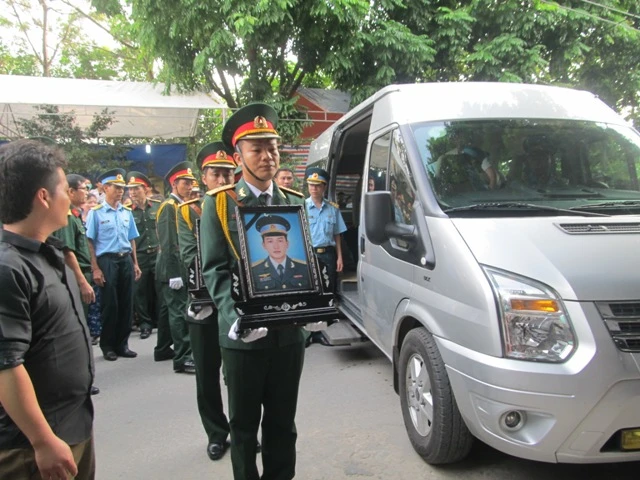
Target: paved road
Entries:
(349, 426)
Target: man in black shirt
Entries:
(46, 366)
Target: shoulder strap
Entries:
(221, 210)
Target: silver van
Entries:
(494, 256)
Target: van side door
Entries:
(385, 271)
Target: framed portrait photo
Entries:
(278, 282)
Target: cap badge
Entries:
(119, 177)
(189, 171)
(314, 176)
(260, 122)
(221, 155)
(132, 180)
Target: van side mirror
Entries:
(380, 223)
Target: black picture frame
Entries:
(300, 293)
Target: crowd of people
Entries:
(82, 266)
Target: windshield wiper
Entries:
(621, 203)
(522, 206)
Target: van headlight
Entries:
(535, 324)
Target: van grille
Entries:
(623, 321)
(590, 228)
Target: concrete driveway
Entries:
(349, 426)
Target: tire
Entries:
(431, 416)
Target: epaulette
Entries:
(154, 200)
(188, 202)
(293, 192)
(255, 264)
(69, 212)
(126, 207)
(98, 207)
(213, 191)
(300, 262)
(335, 205)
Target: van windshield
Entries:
(564, 164)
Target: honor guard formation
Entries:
(130, 263)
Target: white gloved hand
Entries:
(250, 335)
(175, 283)
(205, 312)
(316, 326)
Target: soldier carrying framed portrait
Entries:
(278, 281)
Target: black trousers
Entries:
(205, 348)
(117, 301)
(329, 258)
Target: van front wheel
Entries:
(432, 419)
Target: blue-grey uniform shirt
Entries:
(111, 230)
(324, 223)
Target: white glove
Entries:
(175, 283)
(316, 326)
(250, 335)
(205, 312)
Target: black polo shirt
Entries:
(42, 327)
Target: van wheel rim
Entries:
(418, 392)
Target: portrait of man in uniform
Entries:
(280, 264)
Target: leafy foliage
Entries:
(84, 153)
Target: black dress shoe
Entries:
(145, 333)
(126, 353)
(110, 355)
(94, 390)
(187, 367)
(216, 450)
(162, 355)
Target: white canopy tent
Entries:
(140, 109)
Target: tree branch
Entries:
(99, 25)
(26, 34)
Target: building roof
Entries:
(329, 100)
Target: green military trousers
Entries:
(176, 303)
(145, 300)
(263, 382)
(208, 360)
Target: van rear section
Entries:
(492, 253)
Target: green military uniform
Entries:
(145, 301)
(247, 362)
(262, 376)
(169, 266)
(74, 238)
(204, 337)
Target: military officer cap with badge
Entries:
(180, 171)
(217, 155)
(113, 177)
(138, 179)
(273, 225)
(317, 176)
(253, 122)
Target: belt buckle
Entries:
(321, 250)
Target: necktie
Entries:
(281, 272)
(263, 199)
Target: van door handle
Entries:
(361, 245)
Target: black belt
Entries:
(326, 249)
(116, 254)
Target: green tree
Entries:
(85, 151)
(243, 52)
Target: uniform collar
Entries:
(310, 203)
(119, 206)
